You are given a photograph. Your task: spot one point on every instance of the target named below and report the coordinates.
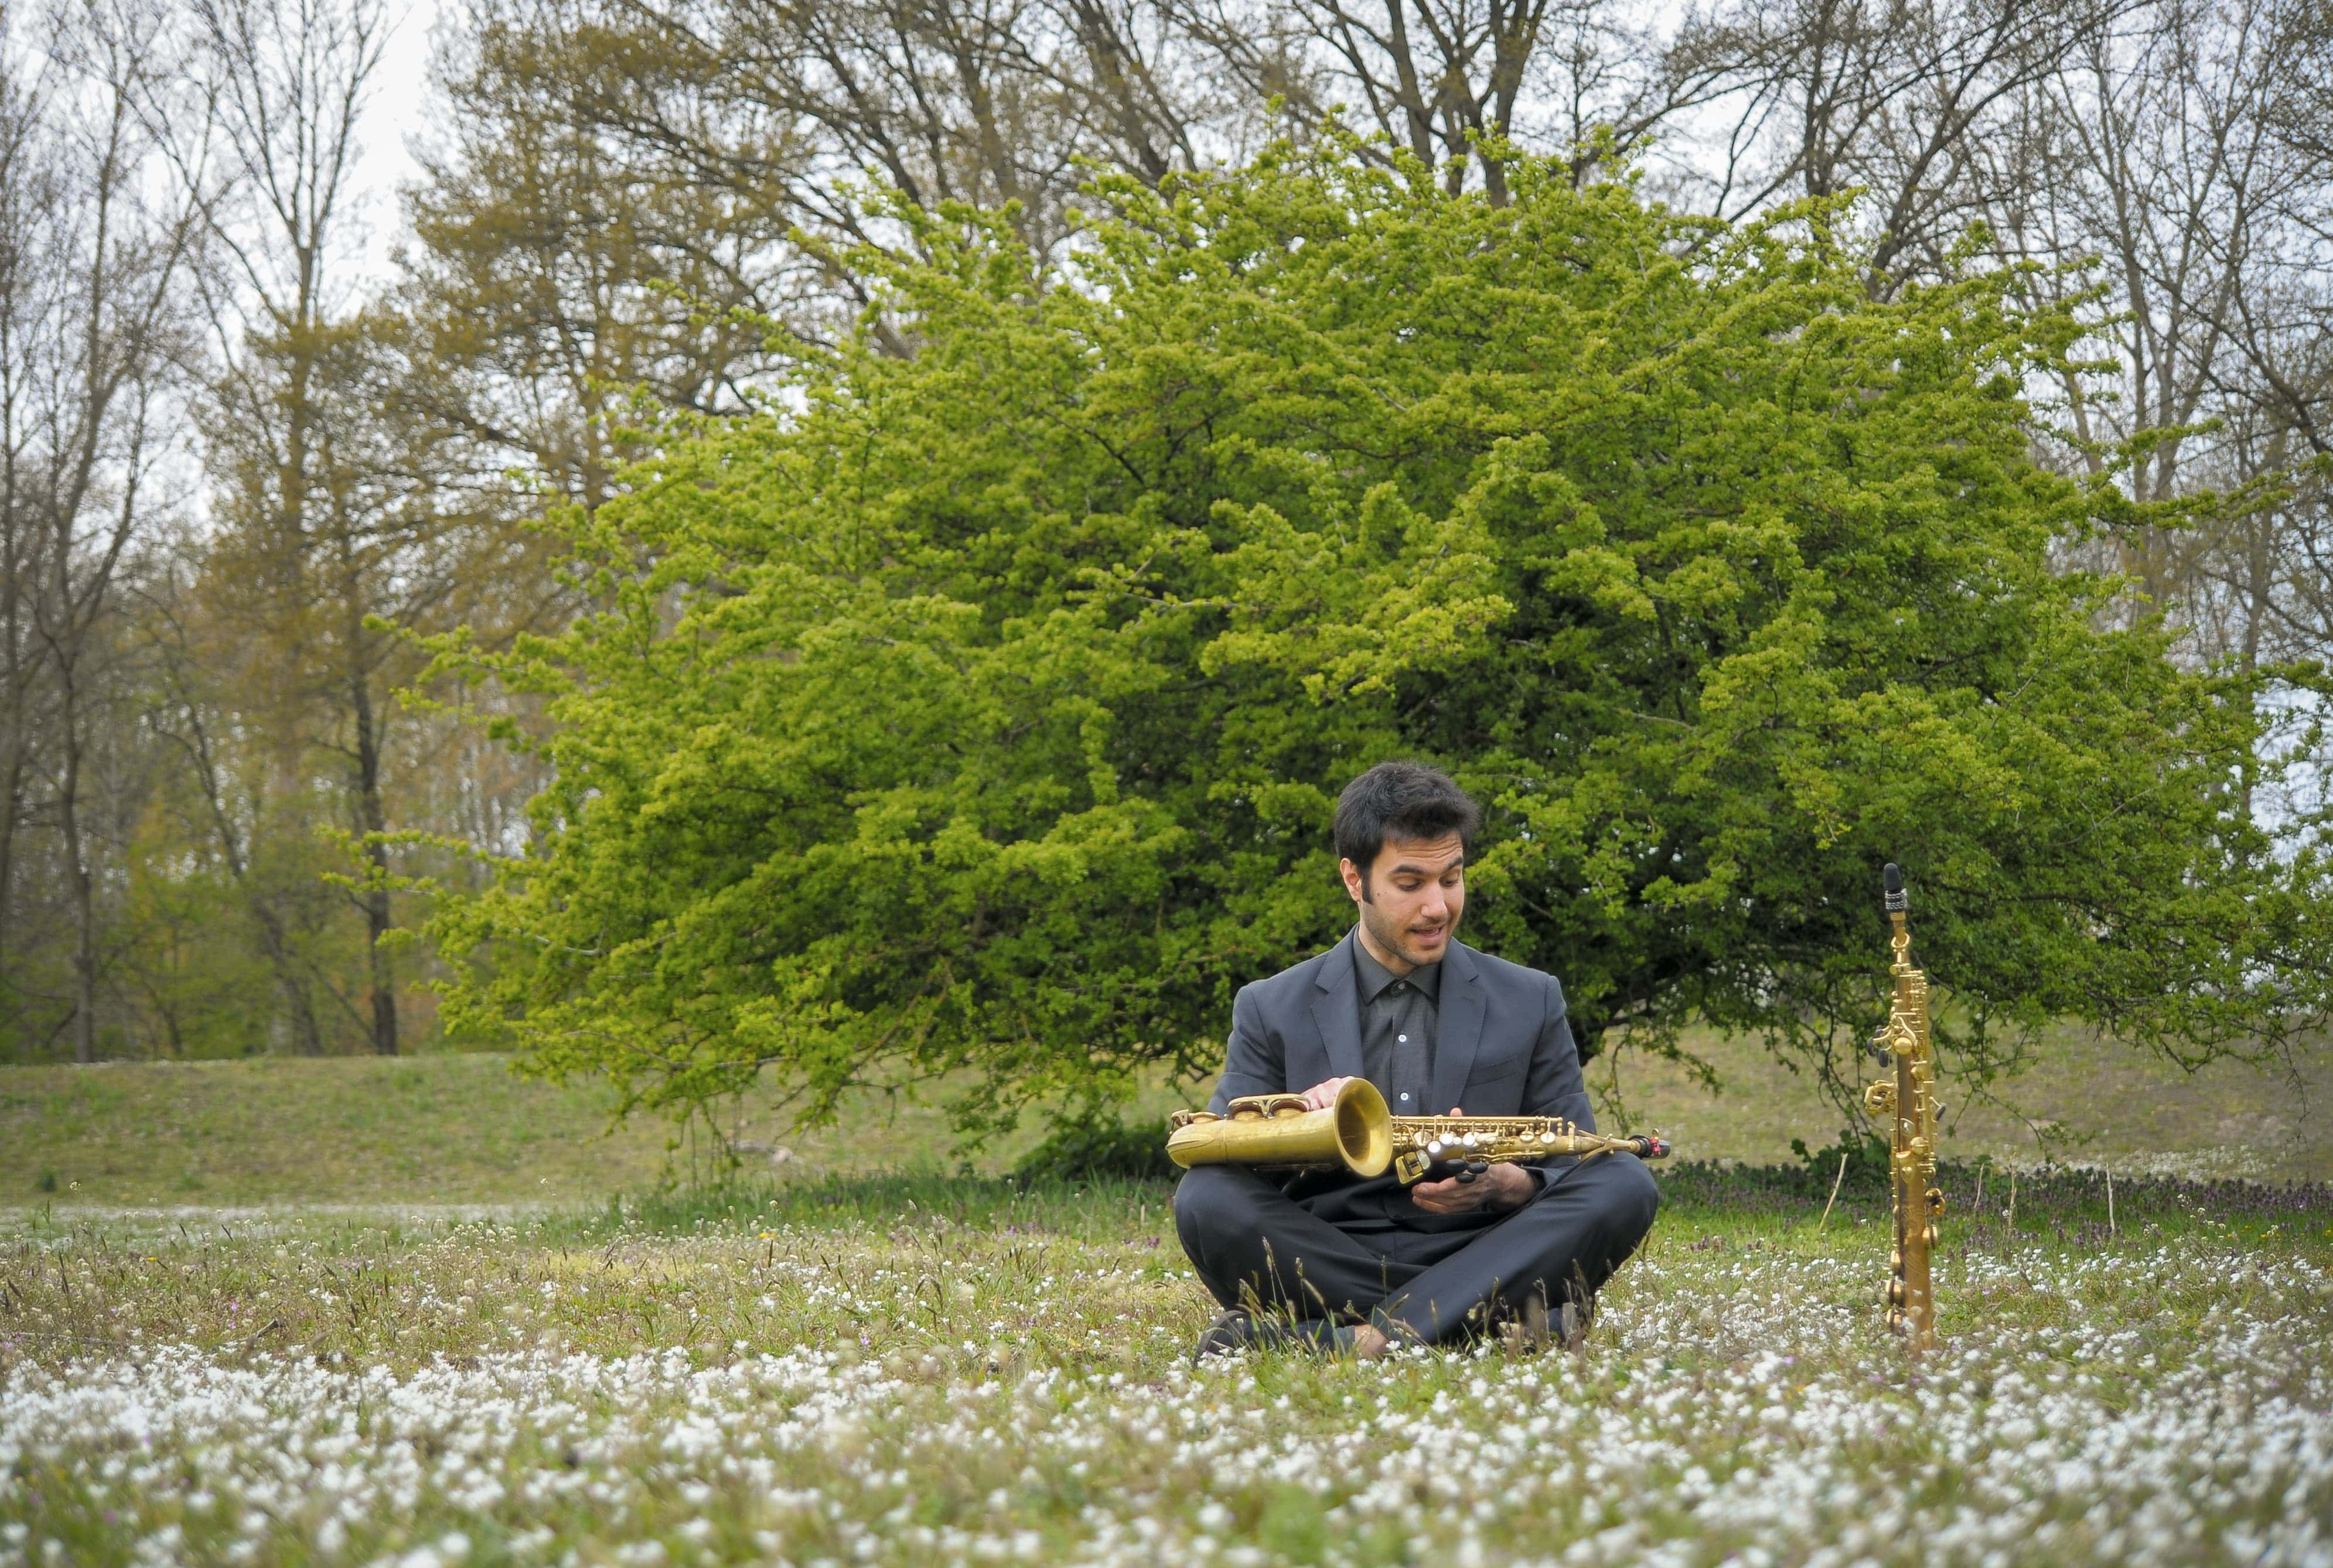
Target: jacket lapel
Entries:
(1336, 1010)
(1459, 1031)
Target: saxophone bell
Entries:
(1354, 1132)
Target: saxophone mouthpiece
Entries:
(1892, 879)
(1655, 1148)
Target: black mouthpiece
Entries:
(1892, 879)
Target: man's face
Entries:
(1411, 899)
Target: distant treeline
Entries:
(242, 474)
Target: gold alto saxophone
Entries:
(1908, 1102)
(1357, 1134)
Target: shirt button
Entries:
(1403, 1038)
(1405, 1096)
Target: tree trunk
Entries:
(17, 673)
(84, 890)
(384, 989)
(372, 819)
(307, 1039)
(11, 785)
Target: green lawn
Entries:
(934, 1372)
(2083, 1101)
(464, 1128)
(436, 1129)
(253, 1324)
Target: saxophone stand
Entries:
(1907, 1100)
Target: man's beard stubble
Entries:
(1392, 936)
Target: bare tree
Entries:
(991, 101)
(94, 342)
(2168, 180)
(32, 182)
(1449, 81)
(2279, 329)
(1925, 106)
(588, 231)
(284, 84)
(198, 661)
(794, 111)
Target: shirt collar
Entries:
(1375, 977)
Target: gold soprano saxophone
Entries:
(1357, 1134)
(1908, 1102)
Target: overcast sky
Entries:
(397, 111)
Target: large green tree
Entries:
(984, 709)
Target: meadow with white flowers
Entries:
(952, 1371)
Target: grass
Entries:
(448, 1129)
(464, 1128)
(453, 1129)
(470, 1352)
(925, 1368)
(2084, 1100)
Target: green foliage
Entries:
(984, 708)
(1859, 1156)
(1091, 1149)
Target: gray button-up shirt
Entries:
(1400, 1016)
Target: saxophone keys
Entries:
(1935, 1201)
(1928, 1236)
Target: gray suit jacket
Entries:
(1503, 1047)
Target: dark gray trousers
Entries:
(1253, 1245)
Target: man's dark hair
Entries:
(1408, 800)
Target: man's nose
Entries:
(1436, 904)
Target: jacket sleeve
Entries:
(1254, 1062)
(1554, 1086)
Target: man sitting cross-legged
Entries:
(1337, 1263)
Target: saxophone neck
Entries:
(1899, 940)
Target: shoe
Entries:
(1577, 1318)
(1238, 1330)
(1523, 1327)
(1233, 1332)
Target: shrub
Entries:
(983, 708)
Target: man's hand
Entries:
(1324, 1094)
(1502, 1186)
